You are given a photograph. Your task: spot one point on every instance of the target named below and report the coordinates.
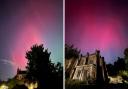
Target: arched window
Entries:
(78, 73)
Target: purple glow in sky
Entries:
(98, 24)
(24, 23)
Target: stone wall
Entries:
(90, 68)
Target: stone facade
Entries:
(20, 74)
(90, 68)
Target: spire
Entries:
(97, 51)
(87, 54)
(18, 69)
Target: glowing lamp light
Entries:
(32, 85)
(3, 86)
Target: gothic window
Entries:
(19, 77)
(78, 73)
(91, 62)
(94, 75)
(85, 75)
(88, 75)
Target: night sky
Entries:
(24, 23)
(97, 24)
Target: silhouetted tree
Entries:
(70, 52)
(111, 69)
(126, 58)
(119, 64)
(40, 67)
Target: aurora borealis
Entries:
(24, 23)
(89, 25)
(97, 24)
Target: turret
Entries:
(97, 52)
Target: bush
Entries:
(19, 87)
(124, 74)
(74, 84)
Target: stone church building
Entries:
(90, 68)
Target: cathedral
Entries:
(90, 68)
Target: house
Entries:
(90, 68)
(21, 74)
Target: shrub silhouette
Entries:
(19, 87)
(70, 52)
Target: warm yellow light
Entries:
(32, 85)
(116, 79)
(3, 86)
